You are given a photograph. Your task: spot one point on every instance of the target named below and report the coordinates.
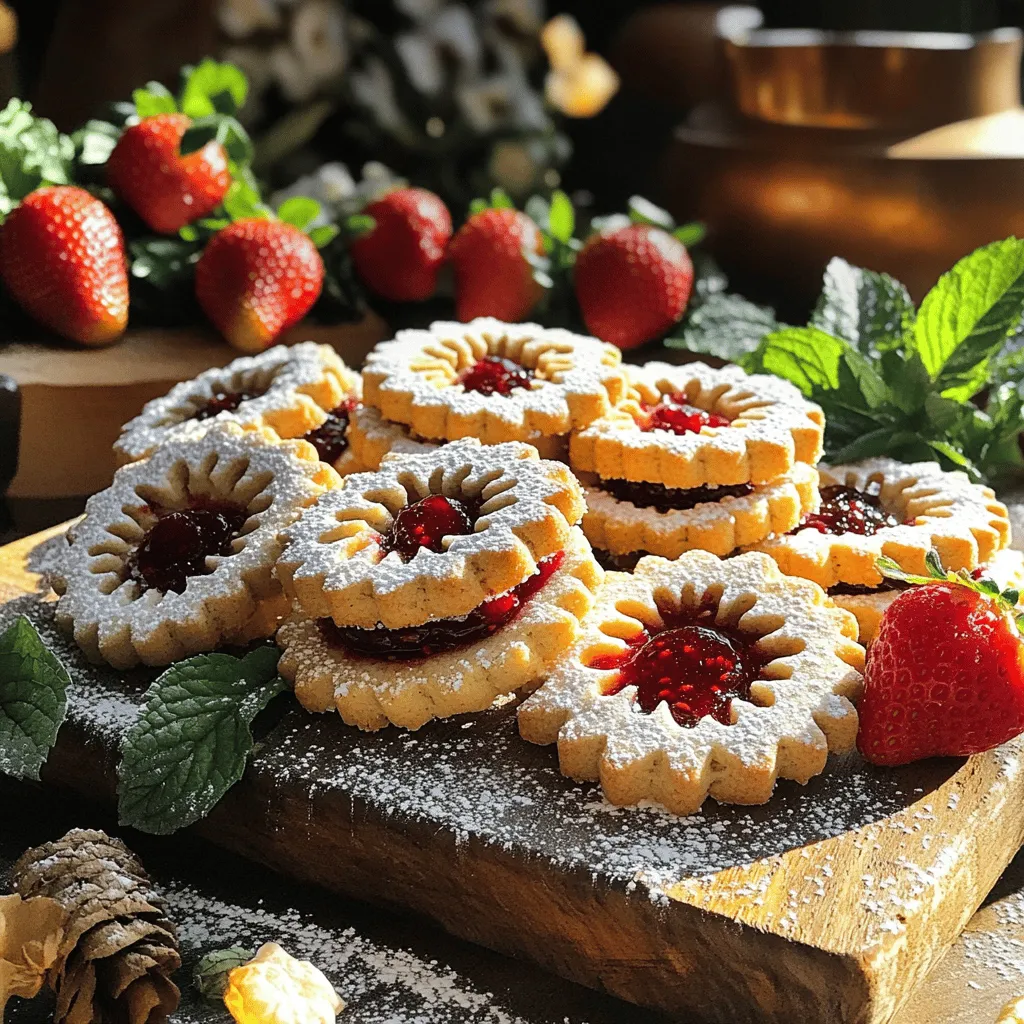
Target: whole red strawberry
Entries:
(944, 676)
(256, 278)
(167, 190)
(400, 257)
(632, 283)
(492, 274)
(62, 258)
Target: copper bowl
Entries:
(824, 170)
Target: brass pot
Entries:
(802, 167)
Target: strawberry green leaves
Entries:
(1006, 600)
(32, 153)
(193, 737)
(33, 700)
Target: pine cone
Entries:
(119, 949)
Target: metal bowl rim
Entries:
(807, 38)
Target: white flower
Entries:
(318, 38)
(373, 88)
(241, 18)
(422, 61)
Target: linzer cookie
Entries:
(176, 557)
(429, 535)
(290, 390)
(701, 677)
(493, 381)
(447, 665)
(883, 507)
(697, 458)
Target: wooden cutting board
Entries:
(829, 904)
(75, 400)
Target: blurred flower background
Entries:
(458, 98)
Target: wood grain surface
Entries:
(75, 400)
(829, 904)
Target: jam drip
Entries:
(694, 666)
(440, 635)
(495, 376)
(847, 510)
(176, 547)
(675, 415)
(225, 401)
(426, 523)
(330, 439)
(670, 499)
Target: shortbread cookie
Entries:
(1006, 568)
(176, 557)
(695, 426)
(430, 535)
(371, 438)
(699, 677)
(290, 390)
(492, 380)
(506, 645)
(883, 507)
(720, 524)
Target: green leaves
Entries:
(965, 319)
(726, 326)
(33, 700)
(865, 308)
(807, 356)
(191, 741)
(32, 153)
(213, 88)
(154, 99)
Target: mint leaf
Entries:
(726, 326)
(191, 741)
(214, 88)
(966, 317)
(691, 234)
(805, 356)
(299, 211)
(867, 309)
(154, 99)
(324, 234)
(33, 700)
(32, 153)
(561, 216)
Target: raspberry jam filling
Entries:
(224, 401)
(692, 665)
(176, 547)
(675, 415)
(669, 499)
(493, 375)
(440, 635)
(848, 510)
(426, 523)
(330, 439)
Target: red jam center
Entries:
(425, 524)
(495, 376)
(441, 635)
(694, 667)
(176, 547)
(668, 499)
(847, 510)
(674, 414)
(330, 439)
(225, 401)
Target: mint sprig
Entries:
(193, 737)
(910, 384)
(1006, 600)
(32, 153)
(33, 700)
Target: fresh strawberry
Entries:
(632, 283)
(400, 257)
(945, 674)
(492, 274)
(256, 278)
(167, 190)
(62, 258)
